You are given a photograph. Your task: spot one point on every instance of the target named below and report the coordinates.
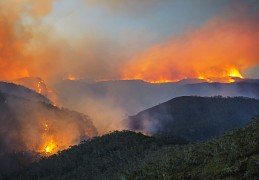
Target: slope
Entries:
(36, 127)
(195, 118)
(128, 155)
(232, 156)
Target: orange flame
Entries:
(71, 77)
(221, 49)
(49, 146)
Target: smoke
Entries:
(132, 7)
(96, 100)
(34, 126)
(29, 47)
(224, 46)
(15, 35)
(195, 118)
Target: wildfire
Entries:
(50, 146)
(233, 72)
(219, 50)
(71, 77)
(226, 75)
(39, 89)
(161, 81)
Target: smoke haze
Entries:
(35, 44)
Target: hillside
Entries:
(23, 92)
(29, 127)
(232, 156)
(133, 96)
(100, 158)
(195, 118)
(129, 155)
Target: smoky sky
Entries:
(100, 39)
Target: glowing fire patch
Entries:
(50, 147)
(233, 72)
(224, 75)
(161, 81)
(71, 77)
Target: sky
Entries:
(153, 40)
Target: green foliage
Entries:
(99, 158)
(232, 156)
(128, 155)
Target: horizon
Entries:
(156, 41)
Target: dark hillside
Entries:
(29, 127)
(196, 118)
(232, 156)
(129, 155)
(99, 158)
(23, 92)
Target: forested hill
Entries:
(232, 156)
(29, 126)
(195, 118)
(129, 155)
(100, 158)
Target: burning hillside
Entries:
(38, 127)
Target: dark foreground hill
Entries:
(195, 118)
(128, 155)
(232, 156)
(100, 158)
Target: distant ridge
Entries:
(21, 91)
(133, 96)
(195, 118)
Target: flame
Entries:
(226, 76)
(39, 89)
(233, 72)
(49, 146)
(71, 77)
(217, 51)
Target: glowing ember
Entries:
(39, 90)
(71, 77)
(50, 147)
(46, 127)
(161, 81)
(225, 75)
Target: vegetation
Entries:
(23, 130)
(196, 118)
(232, 156)
(129, 155)
(99, 158)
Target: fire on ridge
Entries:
(225, 76)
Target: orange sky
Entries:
(31, 47)
(221, 47)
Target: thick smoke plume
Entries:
(28, 125)
(15, 35)
(29, 47)
(222, 47)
